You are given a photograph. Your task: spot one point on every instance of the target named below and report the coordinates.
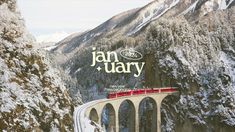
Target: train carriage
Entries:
(139, 91)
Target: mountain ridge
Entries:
(130, 22)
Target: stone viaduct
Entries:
(94, 112)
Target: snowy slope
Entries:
(155, 10)
(133, 21)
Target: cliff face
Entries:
(198, 58)
(32, 95)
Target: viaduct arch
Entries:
(94, 111)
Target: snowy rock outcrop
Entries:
(32, 95)
(199, 59)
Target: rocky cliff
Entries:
(199, 59)
(32, 95)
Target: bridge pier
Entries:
(158, 117)
(117, 122)
(112, 121)
(99, 111)
(159, 102)
(137, 118)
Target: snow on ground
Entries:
(211, 5)
(223, 4)
(81, 123)
(88, 126)
(155, 11)
(191, 8)
(229, 64)
(50, 48)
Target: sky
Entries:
(69, 16)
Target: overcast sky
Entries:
(49, 16)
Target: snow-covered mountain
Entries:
(130, 22)
(33, 96)
(48, 41)
(185, 43)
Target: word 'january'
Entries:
(115, 66)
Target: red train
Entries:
(140, 91)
